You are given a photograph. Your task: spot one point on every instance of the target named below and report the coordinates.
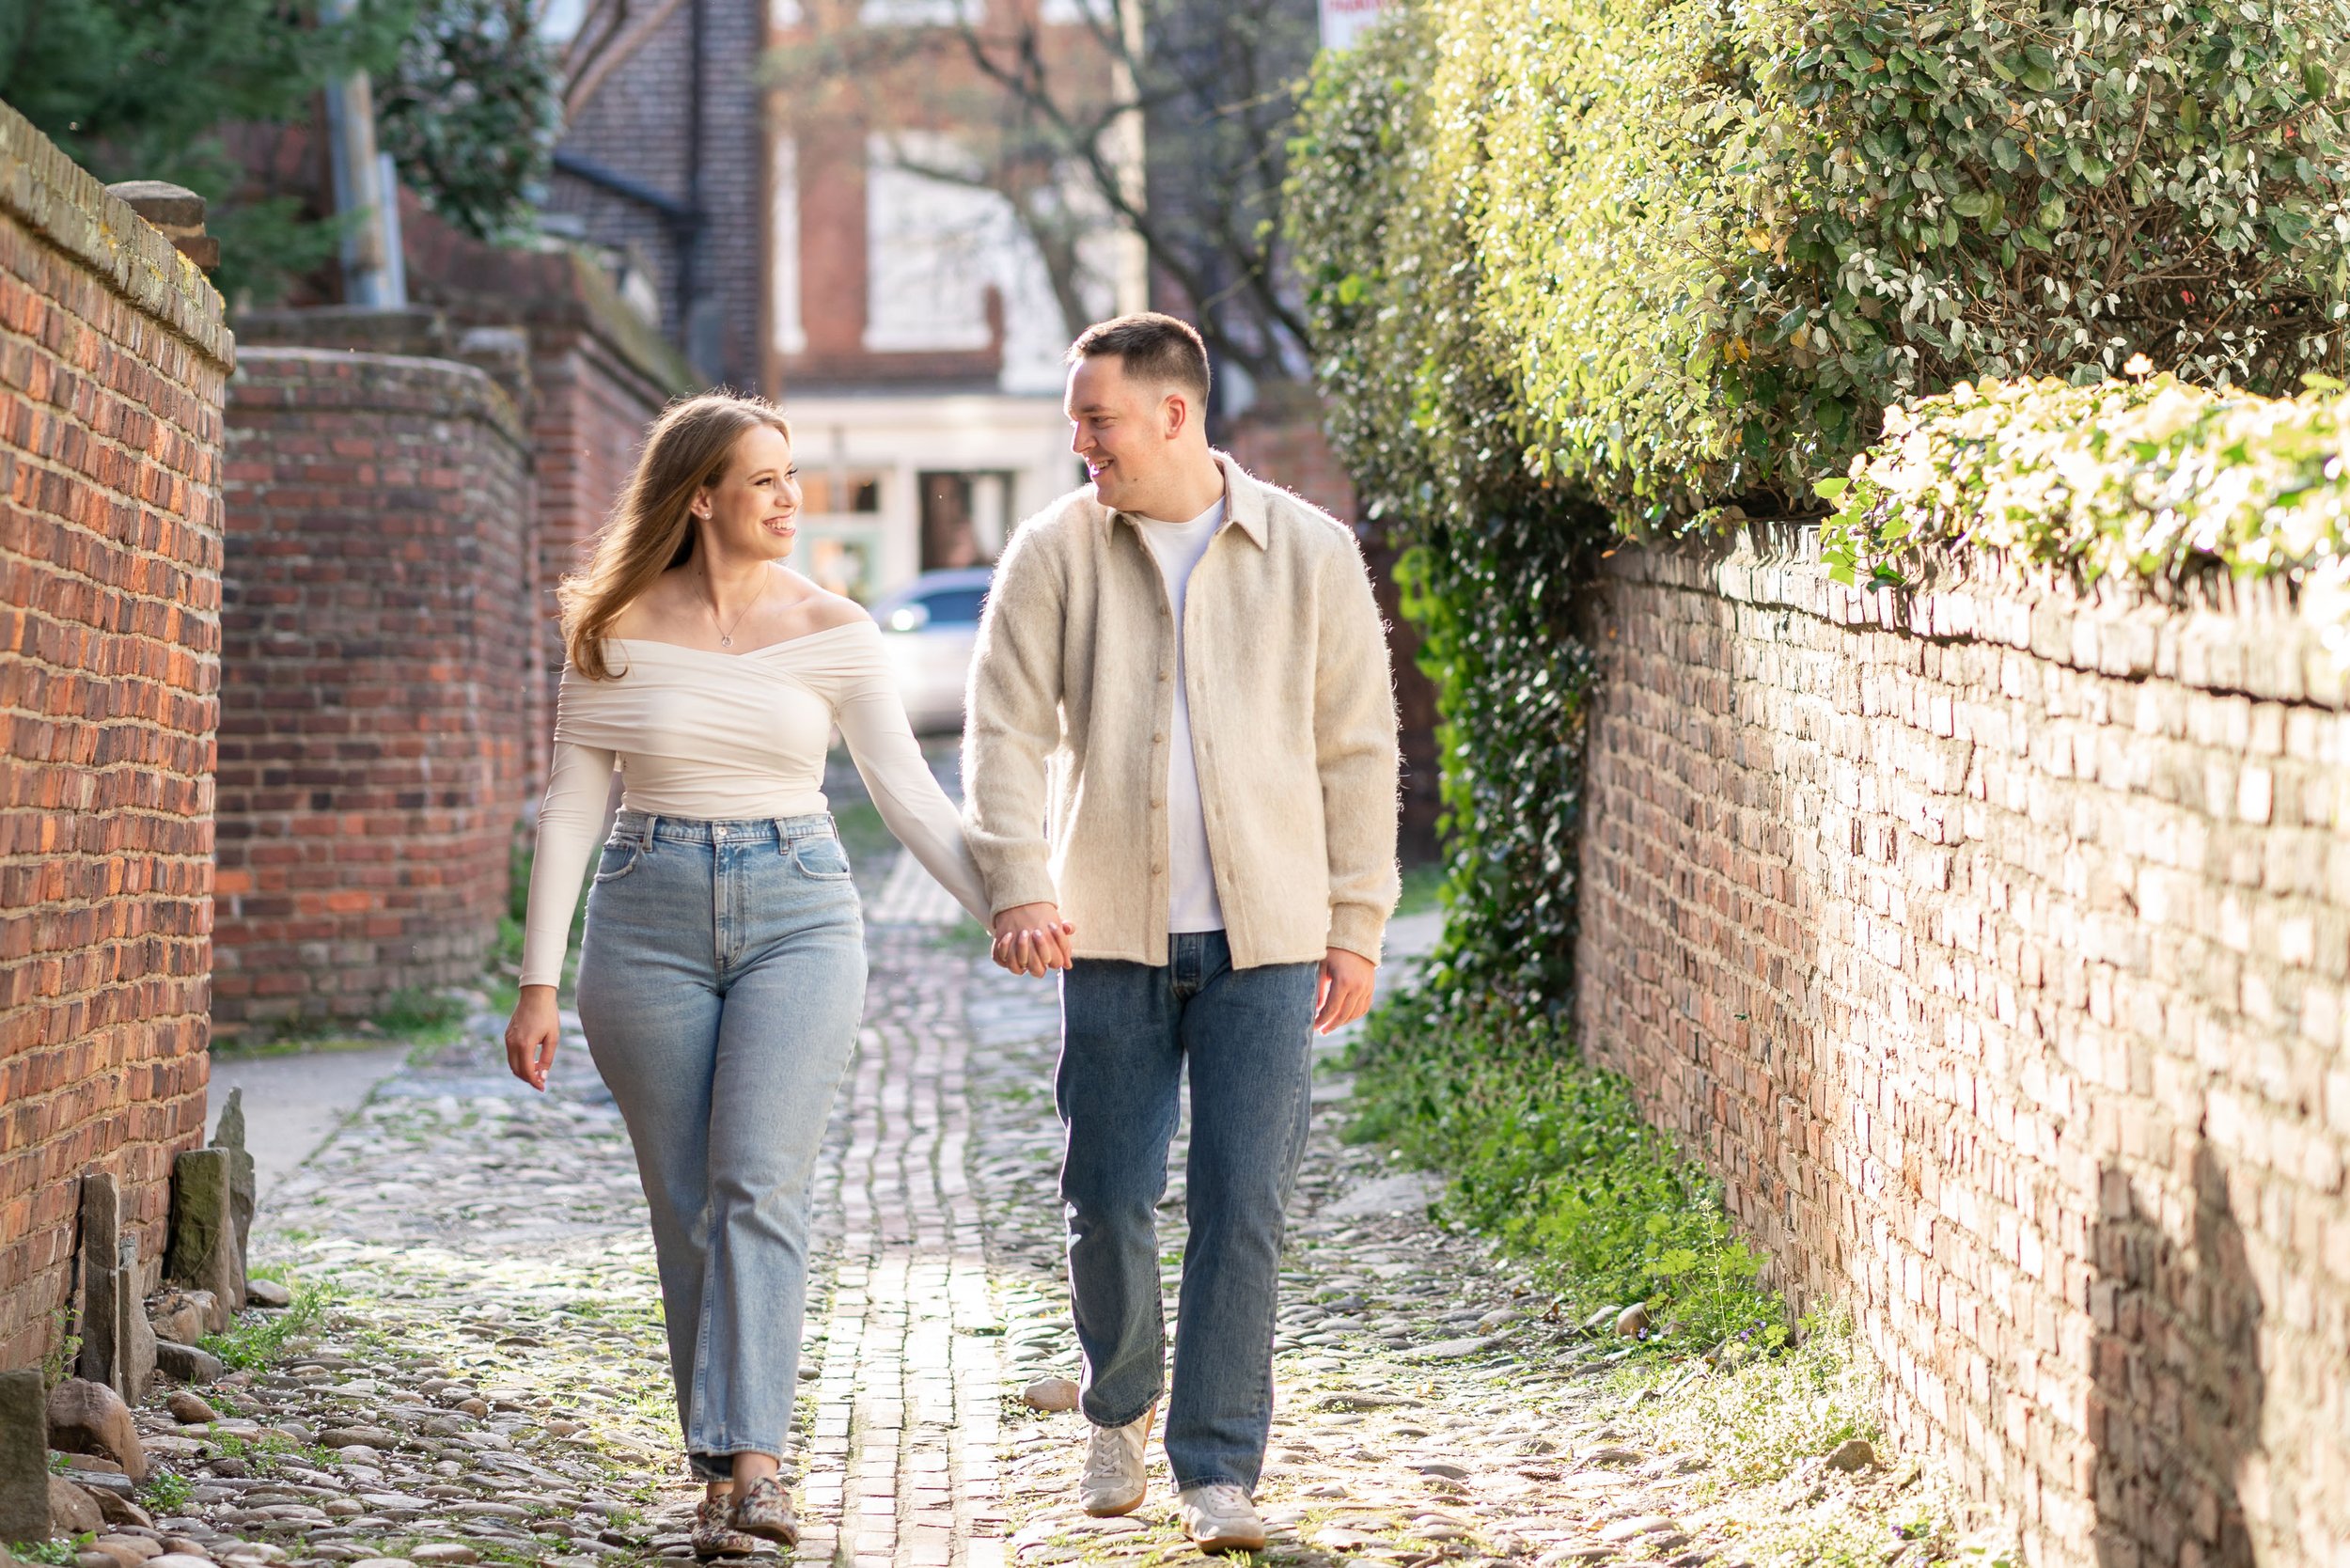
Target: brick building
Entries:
(113, 363)
(905, 319)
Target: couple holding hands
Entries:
(1180, 767)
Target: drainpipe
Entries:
(371, 273)
(694, 331)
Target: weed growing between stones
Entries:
(166, 1492)
(253, 1341)
(1551, 1157)
(67, 1349)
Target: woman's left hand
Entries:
(532, 1034)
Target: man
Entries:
(1181, 762)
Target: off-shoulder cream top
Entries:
(723, 737)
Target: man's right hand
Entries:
(1032, 938)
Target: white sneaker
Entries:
(1221, 1519)
(1112, 1484)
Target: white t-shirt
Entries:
(1191, 901)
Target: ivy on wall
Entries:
(1421, 410)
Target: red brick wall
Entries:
(587, 428)
(598, 376)
(1993, 945)
(112, 363)
(374, 717)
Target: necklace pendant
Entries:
(726, 641)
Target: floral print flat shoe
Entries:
(714, 1534)
(764, 1509)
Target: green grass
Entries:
(58, 1553)
(863, 833)
(1552, 1156)
(1761, 1426)
(251, 1345)
(164, 1493)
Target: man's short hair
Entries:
(1153, 348)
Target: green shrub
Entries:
(1601, 266)
(1715, 242)
(1420, 409)
(1553, 1158)
(2149, 478)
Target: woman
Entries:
(722, 977)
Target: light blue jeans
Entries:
(1129, 1032)
(721, 984)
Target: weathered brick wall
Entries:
(113, 359)
(1991, 942)
(599, 375)
(377, 644)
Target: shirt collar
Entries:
(1244, 500)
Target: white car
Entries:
(930, 627)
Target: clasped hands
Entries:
(1033, 939)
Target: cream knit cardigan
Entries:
(1293, 722)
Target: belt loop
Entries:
(783, 835)
(644, 833)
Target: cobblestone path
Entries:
(481, 1378)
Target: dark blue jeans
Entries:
(1128, 1032)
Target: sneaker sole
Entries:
(1117, 1510)
(1228, 1543)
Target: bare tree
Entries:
(1045, 103)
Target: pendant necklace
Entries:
(726, 634)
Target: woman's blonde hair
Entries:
(651, 526)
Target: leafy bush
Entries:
(470, 113)
(467, 91)
(2149, 478)
(1602, 266)
(1552, 1156)
(1716, 240)
(1419, 409)
(145, 89)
